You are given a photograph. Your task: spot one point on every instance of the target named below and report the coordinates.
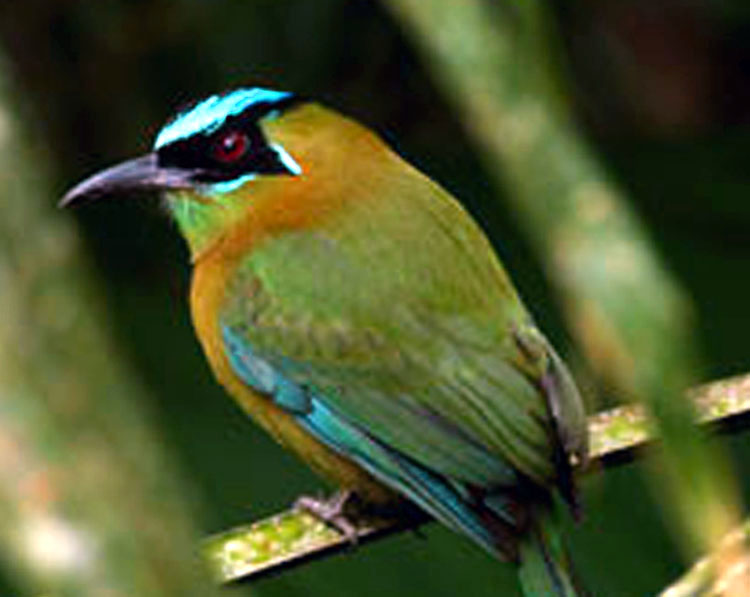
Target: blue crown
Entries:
(210, 114)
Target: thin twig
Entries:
(291, 538)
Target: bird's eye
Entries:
(230, 147)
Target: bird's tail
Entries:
(545, 569)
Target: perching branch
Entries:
(291, 538)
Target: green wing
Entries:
(400, 318)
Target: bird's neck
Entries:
(200, 222)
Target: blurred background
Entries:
(660, 91)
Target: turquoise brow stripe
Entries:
(211, 113)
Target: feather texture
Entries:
(359, 315)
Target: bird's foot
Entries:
(332, 511)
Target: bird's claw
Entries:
(332, 511)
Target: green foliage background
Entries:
(660, 91)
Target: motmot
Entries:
(358, 314)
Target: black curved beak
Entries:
(138, 174)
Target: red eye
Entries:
(231, 147)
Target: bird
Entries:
(358, 314)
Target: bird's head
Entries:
(249, 153)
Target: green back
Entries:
(397, 310)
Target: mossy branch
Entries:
(291, 538)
